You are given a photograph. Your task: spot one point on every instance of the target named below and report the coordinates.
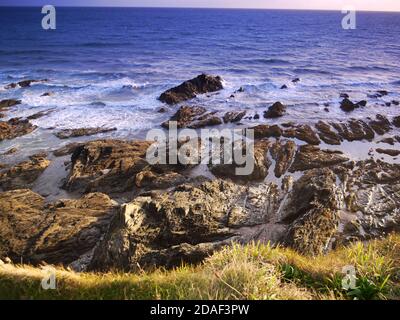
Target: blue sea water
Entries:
(107, 66)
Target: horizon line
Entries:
(206, 8)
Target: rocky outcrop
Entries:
(380, 125)
(22, 175)
(396, 121)
(115, 166)
(312, 212)
(354, 130)
(283, 153)
(193, 117)
(183, 225)
(189, 89)
(32, 231)
(326, 133)
(275, 111)
(302, 132)
(234, 116)
(15, 128)
(228, 168)
(265, 131)
(311, 157)
(73, 133)
(106, 165)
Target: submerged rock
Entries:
(32, 231)
(23, 83)
(189, 89)
(73, 133)
(4, 104)
(22, 175)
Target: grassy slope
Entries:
(240, 272)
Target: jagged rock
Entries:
(106, 165)
(185, 116)
(381, 125)
(72, 133)
(206, 120)
(354, 130)
(283, 154)
(258, 158)
(193, 117)
(47, 94)
(312, 212)
(304, 133)
(396, 121)
(295, 80)
(265, 131)
(275, 111)
(22, 175)
(344, 95)
(395, 102)
(15, 128)
(327, 134)
(390, 152)
(189, 89)
(5, 104)
(112, 166)
(234, 116)
(311, 157)
(67, 149)
(284, 87)
(183, 225)
(32, 231)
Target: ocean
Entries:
(107, 66)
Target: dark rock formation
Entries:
(23, 83)
(390, 152)
(234, 116)
(193, 117)
(275, 111)
(189, 89)
(326, 133)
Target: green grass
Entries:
(254, 271)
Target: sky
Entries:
(372, 5)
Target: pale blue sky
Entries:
(375, 5)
